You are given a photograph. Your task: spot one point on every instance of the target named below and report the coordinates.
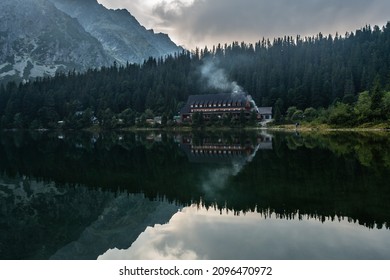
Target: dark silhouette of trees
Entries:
(312, 72)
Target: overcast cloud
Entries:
(194, 23)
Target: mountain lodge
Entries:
(221, 104)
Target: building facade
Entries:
(222, 104)
(265, 113)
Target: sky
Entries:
(197, 23)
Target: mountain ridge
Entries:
(43, 37)
(41, 45)
(116, 30)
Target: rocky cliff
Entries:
(42, 37)
(121, 35)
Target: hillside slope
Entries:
(36, 39)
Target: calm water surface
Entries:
(235, 195)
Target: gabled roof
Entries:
(265, 110)
(220, 97)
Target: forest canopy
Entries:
(350, 73)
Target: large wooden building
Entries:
(221, 104)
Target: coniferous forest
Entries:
(339, 80)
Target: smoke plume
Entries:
(216, 78)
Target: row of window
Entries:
(215, 147)
(210, 152)
(217, 110)
(210, 105)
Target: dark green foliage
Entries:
(376, 100)
(297, 72)
(310, 114)
(278, 108)
(197, 119)
(340, 114)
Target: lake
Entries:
(200, 195)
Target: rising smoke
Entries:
(216, 78)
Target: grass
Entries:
(325, 127)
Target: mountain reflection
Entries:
(40, 220)
(56, 188)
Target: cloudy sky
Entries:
(196, 23)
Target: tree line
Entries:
(371, 107)
(310, 73)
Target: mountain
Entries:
(36, 39)
(118, 31)
(43, 37)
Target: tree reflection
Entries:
(324, 176)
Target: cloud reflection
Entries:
(199, 233)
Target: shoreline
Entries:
(326, 128)
(280, 128)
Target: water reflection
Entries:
(200, 233)
(219, 149)
(76, 195)
(41, 220)
(226, 155)
(117, 226)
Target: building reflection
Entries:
(223, 150)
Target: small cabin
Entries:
(265, 113)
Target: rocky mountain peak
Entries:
(37, 39)
(43, 37)
(121, 35)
